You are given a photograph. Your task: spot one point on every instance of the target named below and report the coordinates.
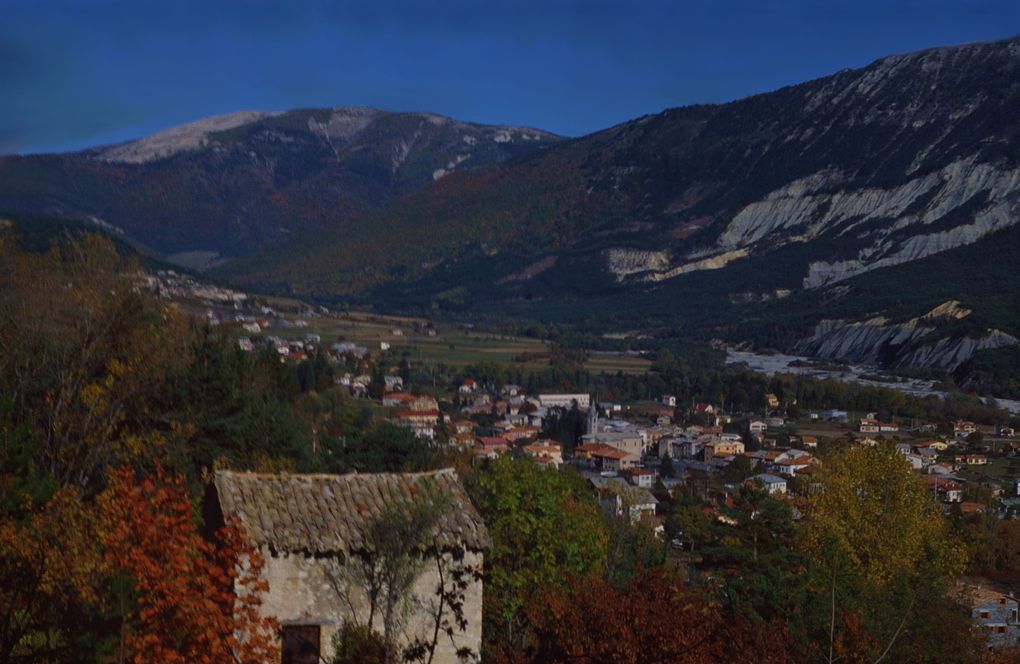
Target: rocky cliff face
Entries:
(886, 226)
(876, 167)
(915, 343)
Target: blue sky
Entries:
(88, 72)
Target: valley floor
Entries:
(772, 364)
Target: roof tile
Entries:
(324, 514)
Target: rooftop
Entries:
(330, 514)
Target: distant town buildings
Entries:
(583, 401)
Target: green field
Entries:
(1001, 470)
(452, 345)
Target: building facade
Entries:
(312, 530)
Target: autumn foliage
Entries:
(197, 600)
(49, 575)
(655, 619)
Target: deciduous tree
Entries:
(197, 600)
(881, 551)
(87, 355)
(654, 620)
(52, 572)
(545, 525)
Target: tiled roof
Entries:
(605, 451)
(592, 448)
(612, 454)
(328, 514)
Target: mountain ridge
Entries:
(239, 183)
(735, 210)
(727, 207)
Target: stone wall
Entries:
(318, 590)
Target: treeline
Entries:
(691, 380)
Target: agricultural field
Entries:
(452, 345)
(1001, 470)
(622, 363)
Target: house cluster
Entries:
(630, 450)
(172, 285)
(708, 445)
(222, 306)
(489, 423)
(946, 473)
(419, 413)
(356, 383)
(871, 424)
(511, 407)
(292, 349)
(787, 463)
(515, 418)
(295, 348)
(545, 452)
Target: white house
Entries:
(868, 425)
(771, 483)
(642, 477)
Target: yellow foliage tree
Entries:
(880, 548)
(879, 517)
(87, 353)
(53, 572)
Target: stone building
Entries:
(312, 529)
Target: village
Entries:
(636, 457)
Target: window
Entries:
(300, 644)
